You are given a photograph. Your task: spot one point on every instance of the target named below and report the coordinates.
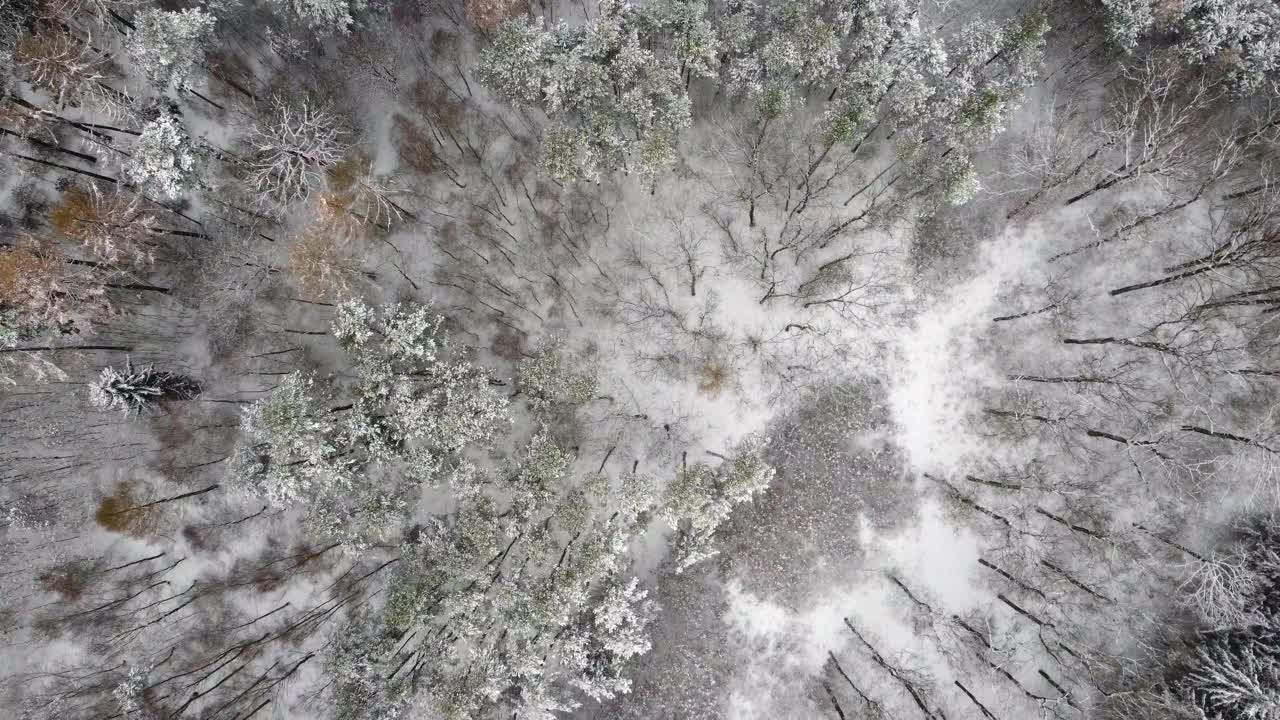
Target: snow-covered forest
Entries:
(640, 359)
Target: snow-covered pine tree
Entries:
(1235, 39)
(701, 497)
(291, 451)
(549, 573)
(408, 413)
(1232, 670)
(129, 694)
(990, 68)
(613, 102)
(686, 29)
(1128, 21)
(778, 52)
(164, 161)
(1235, 673)
(546, 382)
(528, 549)
(323, 17)
(1243, 36)
(616, 632)
(133, 389)
(168, 45)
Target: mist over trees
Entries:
(874, 359)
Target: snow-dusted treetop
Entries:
(701, 497)
(614, 102)
(323, 15)
(353, 456)
(1240, 39)
(1128, 21)
(164, 160)
(1242, 34)
(168, 45)
(134, 389)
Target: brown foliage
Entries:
(116, 513)
(323, 260)
(61, 64)
(415, 147)
(343, 176)
(23, 120)
(489, 14)
(357, 193)
(76, 207)
(431, 98)
(332, 213)
(111, 225)
(25, 268)
(41, 290)
(69, 580)
(713, 377)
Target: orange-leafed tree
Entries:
(323, 260)
(110, 225)
(358, 191)
(489, 14)
(41, 292)
(65, 66)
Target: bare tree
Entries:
(1155, 125)
(290, 148)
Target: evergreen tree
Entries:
(323, 16)
(129, 693)
(1243, 35)
(613, 102)
(1233, 671)
(133, 390)
(167, 46)
(547, 383)
(685, 28)
(778, 52)
(701, 497)
(1240, 38)
(1235, 674)
(164, 161)
(1128, 21)
(516, 610)
(517, 602)
(409, 411)
(990, 68)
